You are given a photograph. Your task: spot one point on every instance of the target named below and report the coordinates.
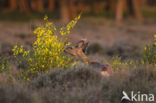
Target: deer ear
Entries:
(79, 44)
(82, 44)
(84, 47)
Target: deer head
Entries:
(78, 50)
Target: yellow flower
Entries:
(45, 17)
(74, 63)
(15, 46)
(3, 67)
(30, 60)
(42, 66)
(21, 50)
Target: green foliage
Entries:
(150, 54)
(149, 57)
(118, 64)
(149, 12)
(4, 65)
(48, 50)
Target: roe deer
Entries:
(78, 52)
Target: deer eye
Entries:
(69, 48)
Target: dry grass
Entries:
(81, 84)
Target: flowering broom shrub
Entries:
(150, 53)
(4, 65)
(48, 50)
(118, 64)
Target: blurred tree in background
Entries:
(68, 9)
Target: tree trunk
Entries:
(51, 5)
(119, 10)
(136, 7)
(73, 9)
(64, 11)
(112, 5)
(23, 6)
(33, 5)
(40, 7)
(144, 2)
(12, 5)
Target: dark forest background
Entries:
(68, 9)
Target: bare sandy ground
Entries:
(96, 30)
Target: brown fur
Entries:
(78, 52)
